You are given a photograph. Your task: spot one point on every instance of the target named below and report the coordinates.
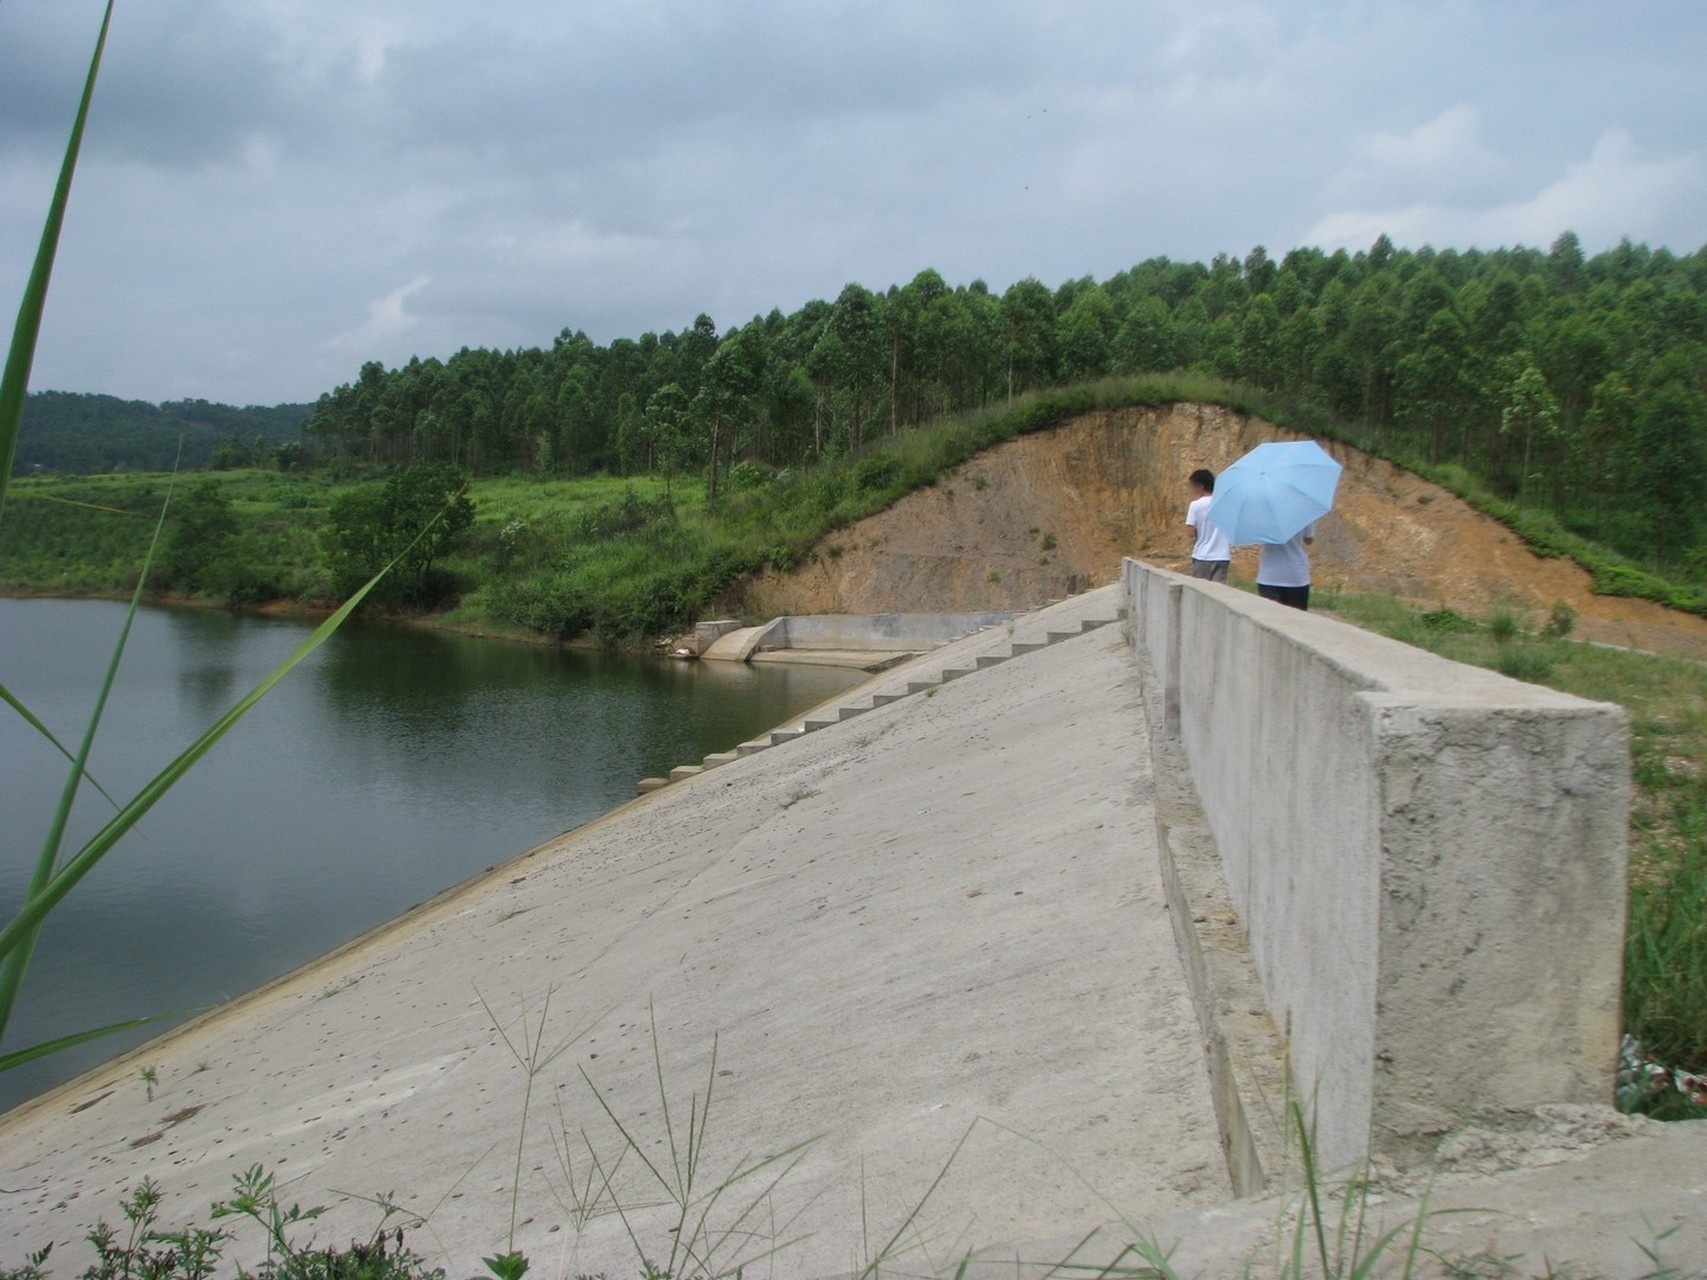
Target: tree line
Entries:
(1573, 383)
(77, 433)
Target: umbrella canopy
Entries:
(1274, 491)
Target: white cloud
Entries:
(257, 175)
(1613, 194)
(1445, 147)
(387, 319)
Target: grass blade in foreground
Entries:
(37, 905)
(22, 352)
(18, 1057)
(14, 961)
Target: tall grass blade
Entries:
(36, 906)
(18, 1057)
(22, 352)
(18, 936)
(29, 718)
(15, 960)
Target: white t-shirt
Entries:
(1285, 564)
(1211, 544)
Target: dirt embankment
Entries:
(1051, 514)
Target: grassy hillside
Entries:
(616, 559)
(75, 434)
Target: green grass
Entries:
(1665, 962)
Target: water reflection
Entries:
(390, 766)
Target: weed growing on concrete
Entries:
(150, 1078)
(713, 1227)
(343, 984)
(142, 1250)
(533, 1057)
(799, 794)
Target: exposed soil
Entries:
(1051, 514)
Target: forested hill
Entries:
(1570, 383)
(93, 434)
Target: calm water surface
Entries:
(391, 765)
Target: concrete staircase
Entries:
(1055, 623)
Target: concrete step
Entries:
(780, 736)
(719, 758)
(646, 785)
(754, 747)
(985, 660)
(684, 771)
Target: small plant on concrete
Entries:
(718, 1227)
(141, 1250)
(150, 1078)
(533, 1057)
(799, 794)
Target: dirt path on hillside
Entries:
(1051, 514)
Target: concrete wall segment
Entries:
(1429, 859)
(1503, 903)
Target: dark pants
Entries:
(1210, 570)
(1294, 597)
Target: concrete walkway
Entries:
(928, 937)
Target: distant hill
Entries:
(82, 434)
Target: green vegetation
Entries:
(1564, 395)
(1550, 382)
(1665, 960)
(616, 559)
(727, 1227)
(79, 434)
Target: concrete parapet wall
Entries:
(1429, 859)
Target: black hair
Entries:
(1204, 479)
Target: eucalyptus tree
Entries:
(666, 420)
(1528, 410)
(1028, 336)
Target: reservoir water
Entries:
(393, 764)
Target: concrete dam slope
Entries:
(940, 920)
(983, 953)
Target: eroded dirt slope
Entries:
(1051, 514)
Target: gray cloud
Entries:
(274, 192)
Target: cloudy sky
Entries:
(274, 191)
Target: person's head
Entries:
(1203, 480)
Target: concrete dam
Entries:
(1016, 953)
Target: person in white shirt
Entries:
(1283, 569)
(1211, 553)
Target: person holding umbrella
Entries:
(1272, 496)
(1283, 569)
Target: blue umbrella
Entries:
(1274, 491)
